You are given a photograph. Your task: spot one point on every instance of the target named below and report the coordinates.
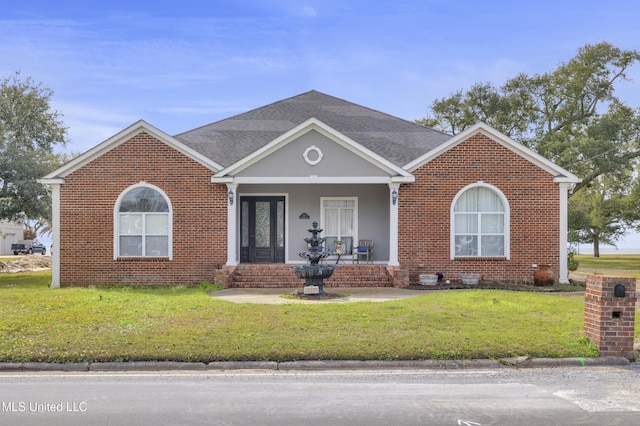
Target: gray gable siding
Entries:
(229, 141)
(288, 161)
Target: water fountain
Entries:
(314, 272)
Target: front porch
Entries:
(283, 276)
(269, 223)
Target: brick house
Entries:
(232, 201)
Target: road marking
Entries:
(615, 401)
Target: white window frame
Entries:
(355, 219)
(116, 223)
(507, 222)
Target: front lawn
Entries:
(185, 324)
(610, 264)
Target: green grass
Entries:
(185, 324)
(626, 265)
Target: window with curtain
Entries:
(479, 223)
(143, 224)
(339, 222)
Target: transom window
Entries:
(143, 223)
(480, 223)
(338, 221)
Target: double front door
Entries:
(262, 229)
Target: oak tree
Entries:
(29, 131)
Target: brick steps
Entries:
(283, 276)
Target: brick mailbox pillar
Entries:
(609, 314)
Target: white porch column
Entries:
(55, 234)
(563, 274)
(232, 224)
(394, 194)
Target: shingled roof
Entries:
(229, 140)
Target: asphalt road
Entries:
(536, 396)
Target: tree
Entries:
(550, 113)
(29, 132)
(600, 213)
(606, 202)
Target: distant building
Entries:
(10, 233)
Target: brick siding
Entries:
(425, 206)
(88, 199)
(609, 321)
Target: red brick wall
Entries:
(425, 206)
(88, 198)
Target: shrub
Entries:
(572, 262)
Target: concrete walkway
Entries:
(351, 294)
(273, 295)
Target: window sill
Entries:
(143, 259)
(481, 258)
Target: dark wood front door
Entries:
(262, 229)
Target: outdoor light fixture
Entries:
(394, 197)
(231, 196)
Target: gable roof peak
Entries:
(124, 136)
(234, 138)
(504, 140)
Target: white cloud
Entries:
(265, 62)
(309, 11)
(502, 69)
(84, 135)
(91, 113)
(89, 125)
(203, 110)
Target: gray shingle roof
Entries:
(229, 140)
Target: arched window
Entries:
(143, 223)
(480, 222)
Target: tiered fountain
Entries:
(314, 273)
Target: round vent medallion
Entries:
(312, 155)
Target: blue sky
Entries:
(183, 64)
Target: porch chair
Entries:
(364, 249)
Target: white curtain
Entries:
(331, 221)
(479, 223)
(339, 221)
(479, 199)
